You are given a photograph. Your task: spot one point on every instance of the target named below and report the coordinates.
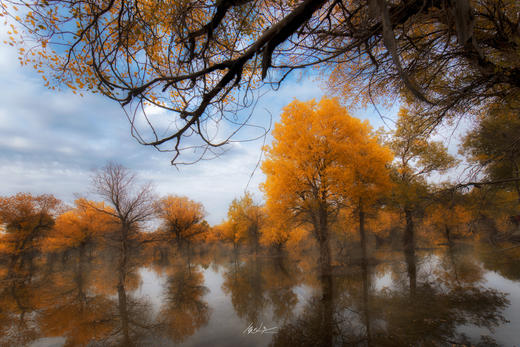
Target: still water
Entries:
(456, 295)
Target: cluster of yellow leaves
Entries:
(84, 223)
(322, 155)
(25, 219)
(279, 231)
(246, 221)
(246, 217)
(82, 43)
(182, 218)
(228, 232)
(275, 234)
(454, 221)
(384, 222)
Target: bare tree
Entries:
(133, 204)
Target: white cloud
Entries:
(50, 142)
(16, 142)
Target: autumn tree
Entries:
(385, 223)
(182, 218)
(275, 233)
(25, 219)
(370, 179)
(449, 219)
(80, 226)
(228, 232)
(416, 157)
(494, 146)
(247, 218)
(201, 60)
(131, 204)
(321, 159)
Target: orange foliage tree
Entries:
(228, 232)
(182, 219)
(26, 219)
(417, 157)
(275, 234)
(450, 218)
(247, 218)
(80, 226)
(279, 231)
(320, 160)
(385, 223)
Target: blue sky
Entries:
(50, 142)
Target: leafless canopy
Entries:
(203, 61)
(133, 204)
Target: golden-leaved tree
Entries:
(182, 219)
(80, 226)
(247, 218)
(26, 219)
(227, 232)
(274, 235)
(449, 219)
(320, 160)
(416, 157)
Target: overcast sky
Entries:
(50, 142)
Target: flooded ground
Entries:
(457, 295)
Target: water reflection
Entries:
(95, 297)
(243, 281)
(257, 284)
(72, 310)
(430, 313)
(353, 313)
(184, 310)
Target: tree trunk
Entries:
(253, 234)
(123, 313)
(327, 311)
(325, 255)
(323, 240)
(408, 238)
(362, 234)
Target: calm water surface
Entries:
(462, 294)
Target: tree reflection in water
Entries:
(351, 312)
(258, 286)
(78, 301)
(185, 310)
(244, 283)
(92, 297)
(19, 300)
